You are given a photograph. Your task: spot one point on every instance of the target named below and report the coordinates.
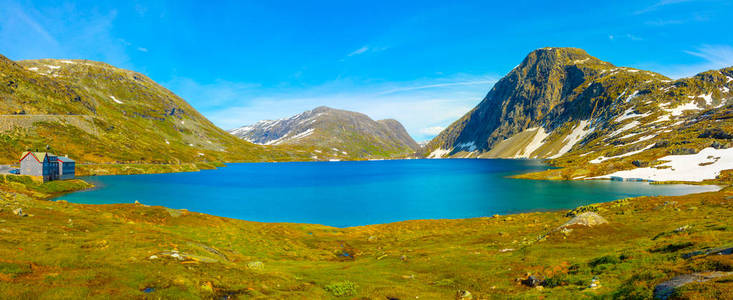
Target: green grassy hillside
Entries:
(96, 113)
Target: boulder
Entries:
(666, 289)
(256, 265)
(463, 295)
(532, 281)
(19, 212)
(585, 219)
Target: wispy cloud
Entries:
(418, 105)
(659, 5)
(367, 49)
(434, 130)
(718, 56)
(711, 57)
(142, 49)
(359, 51)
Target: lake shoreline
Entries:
(264, 193)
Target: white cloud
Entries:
(141, 49)
(359, 51)
(713, 57)
(435, 130)
(659, 5)
(717, 55)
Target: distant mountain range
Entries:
(587, 115)
(591, 116)
(340, 133)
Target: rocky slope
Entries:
(596, 118)
(340, 133)
(95, 112)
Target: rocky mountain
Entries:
(340, 133)
(592, 116)
(95, 112)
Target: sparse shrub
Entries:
(555, 281)
(342, 288)
(608, 259)
(14, 270)
(674, 247)
(581, 209)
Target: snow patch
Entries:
(681, 108)
(706, 164)
(626, 127)
(632, 96)
(603, 158)
(53, 67)
(467, 146)
(537, 142)
(708, 98)
(579, 132)
(302, 134)
(629, 113)
(438, 153)
(115, 99)
(67, 61)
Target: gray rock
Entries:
(585, 219)
(532, 281)
(256, 265)
(19, 212)
(463, 295)
(665, 289)
(713, 251)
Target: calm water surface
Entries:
(368, 192)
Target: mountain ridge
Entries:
(355, 135)
(97, 113)
(562, 101)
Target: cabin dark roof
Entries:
(64, 159)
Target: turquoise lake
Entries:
(367, 192)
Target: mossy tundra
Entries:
(60, 250)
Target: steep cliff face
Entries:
(345, 134)
(591, 116)
(95, 112)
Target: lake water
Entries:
(368, 192)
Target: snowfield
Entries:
(574, 137)
(438, 153)
(706, 164)
(536, 143)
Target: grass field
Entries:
(65, 250)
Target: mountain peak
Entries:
(354, 134)
(551, 57)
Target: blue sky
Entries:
(424, 63)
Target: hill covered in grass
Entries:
(597, 119)
(96, 113)
(340, 133)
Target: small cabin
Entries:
(67, 167)
(47, 166)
